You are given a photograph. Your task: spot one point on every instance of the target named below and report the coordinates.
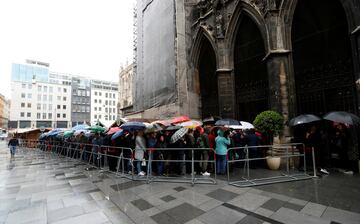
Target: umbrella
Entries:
(178, 134)
(80, 127)
(236, 127)
(152, 128)
(133, 126)
(113, 130)
(180, 119)
(96, 128)
(303, 119)
(211, 119)
(172, 128)
(68, 134)
(246, 125)
(227, 121)
(162, 122)
(191, 124)
(342, 117)
(79, 131)
(117, 134)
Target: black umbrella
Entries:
(227, 121)
(133, 126)
(211, 119)
(304, 119)
(342, 117)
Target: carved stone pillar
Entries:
(281, 85)
(226, 93)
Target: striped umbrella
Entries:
(178, 134)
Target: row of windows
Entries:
(23, 105)
(107, 102)
(80, 108)
(80, 92)
(106, 109)
(106, 117)
(107, 95)
(50, 98)
(38, 115)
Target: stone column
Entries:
(281, 85)
(226, 93)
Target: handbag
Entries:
(143, 163)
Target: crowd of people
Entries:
(169, 158)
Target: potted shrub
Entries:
(271, 124)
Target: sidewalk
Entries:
(38, 187)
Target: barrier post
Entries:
(192, 168)
(313, 160)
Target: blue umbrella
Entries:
(133, 126)
(117, 134)
(80, 127)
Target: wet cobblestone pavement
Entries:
(38, 187)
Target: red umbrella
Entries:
(180, 119)
(113, 130)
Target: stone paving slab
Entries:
(39, 187)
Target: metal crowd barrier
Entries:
(289, 152)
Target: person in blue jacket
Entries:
(221, 151)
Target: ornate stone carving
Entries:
(265, 5)
(219, 24)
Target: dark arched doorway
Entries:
(251, 78)
(324, 75)
(208, 80)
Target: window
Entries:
(106, 117)
(114, 117)
(39, 88)
(23, 85)
(64, 115)
(113, 110)
(100, 115)
(100, 101)
(28, 114)
(29, 105)
(95, 93)
(113, 102)
(58, 115)
(50, 106)
(65, 90)
(38, 115)
(22, 114)
(51, 89)
(50, 98)
(95, 116)
(44, 116)
(58, 106)
(64, 98)
(29, 86)
(44, 97)
(39, 97)
(64, 107)
(95, 100)
(106, 95)
(114, 95)
(38, 106)
(45, 88)
(29, 95)
(22, 104)
(50, 116)
(106, 109)
(22, 95)
(99, 108)
(59, 98)
(106, 102)
(95, 108)
(99, 93)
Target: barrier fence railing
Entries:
(286, 155)
(185, 162)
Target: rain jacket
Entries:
(221, 143)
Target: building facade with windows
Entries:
(4, 112)
(38, 101)
(104, 101)
(125, 90)
(80, 100)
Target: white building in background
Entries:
(104, 99)
(39, 99)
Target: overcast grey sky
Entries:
(85, 37)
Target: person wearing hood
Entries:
(221, 151)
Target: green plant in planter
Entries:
(270, 123)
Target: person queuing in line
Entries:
(140, 149)
(222, 142)
(13, 142)
(96, 142)
(160, 154)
